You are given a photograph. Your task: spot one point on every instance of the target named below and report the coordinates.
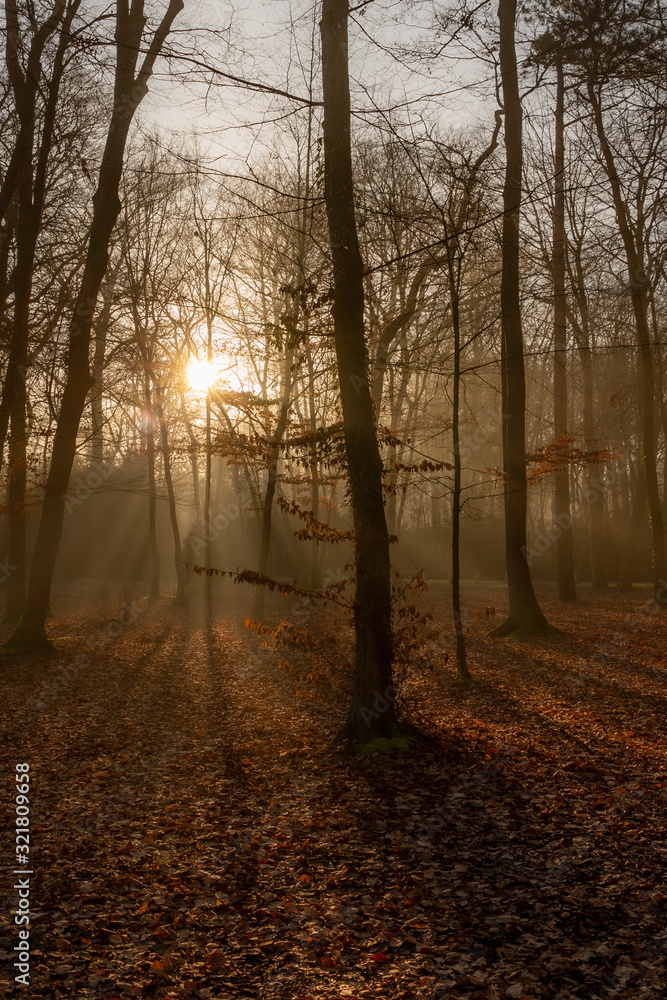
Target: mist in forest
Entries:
(333, 484)
(179, 281)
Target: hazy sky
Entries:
(272, 43)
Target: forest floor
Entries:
(195, 832)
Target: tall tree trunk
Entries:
(101, 331)
(207, 475)
(171, 499)
(594, 481)
(129, 91)
(269, 496)
(154, 588)
(525, 615)
(662, 406)
(31, 187)
(595, 487)
(25, 86)
(461, 657)
(372, 712)
(627, 572)
(315, 555)
(16, 549)
(18, 435)
(194, 465)
(567, 590)
(637, 281)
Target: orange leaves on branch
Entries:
(331, 593)
(561, 453)
(315, 436)
(426, 465)
(316, 660)
(315, 530)
(556, 455)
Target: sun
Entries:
(202, 375)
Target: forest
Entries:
(333, 468)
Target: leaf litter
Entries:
(195, 831)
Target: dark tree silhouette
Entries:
(130, 88)
(525, 615)
(372, 710)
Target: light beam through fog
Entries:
(333, 453)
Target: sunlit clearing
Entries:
(202, 375)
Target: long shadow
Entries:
(602, 694)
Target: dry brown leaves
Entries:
(195, 834)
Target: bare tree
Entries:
(372, 709)
(567, 590)
(525, 615)
(130, 87)
(608, 43)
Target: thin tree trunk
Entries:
(128, 93)
(628, 563)
(97, 392)
(207, 491)
(194, 465)
(461, 656)
(595, 488)
(18, 435)
(594, 480)
(637, 281)
(269, 496)
(372, 712)
(154, 590)
(31, 187)
(525, 615)
(315, 560)
(660, 392)
(171, 499)
(567, 589)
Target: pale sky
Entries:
(234, 123)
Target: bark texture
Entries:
(638, 287)
(371, 713)
(567, 590)
(525, 615)
(130, 88)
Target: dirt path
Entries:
(193, 832)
